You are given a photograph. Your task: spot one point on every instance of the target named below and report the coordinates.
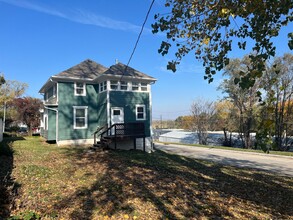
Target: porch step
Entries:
(103, 143)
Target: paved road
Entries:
(279, 164)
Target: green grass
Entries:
(71, 183)
(283, 153)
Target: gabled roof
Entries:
(120, 69)
(90, 71)
(87, 69)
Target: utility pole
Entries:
(161, 122)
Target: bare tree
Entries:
(203, 117)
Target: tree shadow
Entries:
(8, 187)
(174, 187)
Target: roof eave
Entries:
(120, 77)
(46, 85)
(71, 79)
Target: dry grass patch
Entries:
(71, 183)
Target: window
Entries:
(79, 89)
(140, 112)
(51, 93)
(45, 122)
(114, 84)
(80, 117)
(144, 87)
(123, 85)
(103, 86)
(135, 86)
(116, 112)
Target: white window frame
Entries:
(103, 86)
(85, 117)
(114, 84)
(136, 85)
(77, 87)
(123, 84)
(45, 122)
(144, 112)
(144, 87)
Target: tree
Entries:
(2, 80)
(226, 120)
(10, 90)
(184, 122)
(28, 109)
(203, 117)
(209, 29)
(244, 99)
(278, 83)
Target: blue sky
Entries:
(40, 38)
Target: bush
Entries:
(6, 149)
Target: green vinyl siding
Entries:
(50, 133)
(129, 100)
(67, 100)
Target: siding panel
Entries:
(129, 100)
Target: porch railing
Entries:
(134, 129)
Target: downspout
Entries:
(151, 116)
(55, 110)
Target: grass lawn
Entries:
(70, 183)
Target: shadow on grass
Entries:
(8, 187)
(162, 185)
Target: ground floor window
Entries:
(140, 112)
(80, 118)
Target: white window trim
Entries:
(137, 85)
(144, 113)
(101, 86)
(121, 85)
(46, 122)
(83, 87)
(74, 116)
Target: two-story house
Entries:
(89, 96)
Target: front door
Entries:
(117, 116)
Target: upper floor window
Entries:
(140, 112)
(114, 84)
(103, 86)
(79, 89)
(80, 119)
(135, 86)
(144, 87)
(123, 85)
(51, 92)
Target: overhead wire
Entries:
(138, 38)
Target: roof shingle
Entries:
(87, 69)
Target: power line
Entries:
(136, 43)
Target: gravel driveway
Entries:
(283, 165)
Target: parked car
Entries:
(36, 131)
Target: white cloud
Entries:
(79, 16)
(31, 6)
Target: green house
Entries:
(93, 104)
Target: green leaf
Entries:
(290, 43)
(171, 66)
